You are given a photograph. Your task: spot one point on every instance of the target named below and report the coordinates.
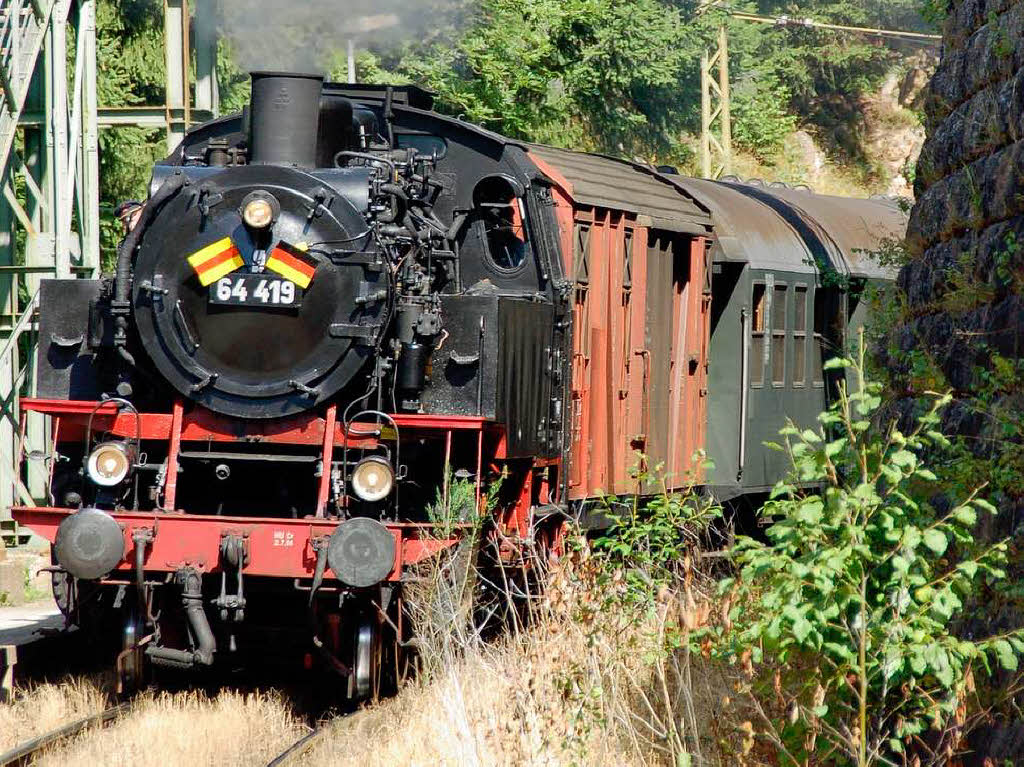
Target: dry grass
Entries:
(592, 681)
(47, 706)
(175, 730)
(187, 730)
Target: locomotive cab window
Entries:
(501, 212)
(758, 313)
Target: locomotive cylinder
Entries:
(284, 118)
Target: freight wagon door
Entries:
(676, 347)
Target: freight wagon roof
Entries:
(621, 185)
(791, 229)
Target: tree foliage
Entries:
(130, 62)
(623, 78)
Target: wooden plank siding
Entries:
(639, 345)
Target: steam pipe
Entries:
(166, 656)
(206, 644)
(399, 203)
(192, 596)
(456, 227)
(348, 155)
(123, 268)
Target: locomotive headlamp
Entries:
(373, 479)
(108, 464)
(258, 213)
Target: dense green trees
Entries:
(615, 77)
(623, 77)
(593, 74)
(130, 71)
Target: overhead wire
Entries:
(792, 21)
(787, 21)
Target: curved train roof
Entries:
(791, 229)
(768, 227)
(606, 182)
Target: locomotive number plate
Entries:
(255, 290)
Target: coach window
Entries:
(818, 354)
(501, 212)
(779, 336)
(758, 308)
(799, 335)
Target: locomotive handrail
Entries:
(122, 404)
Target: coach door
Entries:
(676, 348)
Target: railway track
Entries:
(22, 753)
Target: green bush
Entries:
(844, 620)
(652, 534)
(760, 118)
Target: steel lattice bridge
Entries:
(49, 184)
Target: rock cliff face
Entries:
(964, 287)
(965, 280)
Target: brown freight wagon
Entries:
(635, 248)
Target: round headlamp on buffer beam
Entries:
(110, 463)
(373, 479)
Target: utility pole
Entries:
(715, 110)
(715, 116)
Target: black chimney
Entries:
(284, 117)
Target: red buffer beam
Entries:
(277, 547)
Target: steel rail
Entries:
(296, 748)
(299, 747)
(20, 753)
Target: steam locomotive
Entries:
(341, 315)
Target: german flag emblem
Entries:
(292, 264)
(216, 261)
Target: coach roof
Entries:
(777, 227)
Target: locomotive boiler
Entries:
(341, 314)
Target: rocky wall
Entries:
(965, 278)
(964, 288)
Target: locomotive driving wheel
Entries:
(367, 660)
(130, 666)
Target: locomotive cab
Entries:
(298, 375)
